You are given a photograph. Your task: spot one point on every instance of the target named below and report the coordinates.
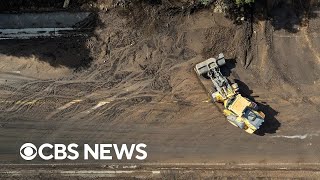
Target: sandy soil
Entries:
(140, 87)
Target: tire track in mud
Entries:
(38, 91)
(30, 95)
(264, 48)
(85, 107)
(309, 44)
(303, 98)
(24, 104)
(90, 113)
(61, 108)
(218, 107)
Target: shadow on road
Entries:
(271, 124)
(68, 48)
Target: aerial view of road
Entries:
(123, 72)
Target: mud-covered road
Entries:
(132, 81)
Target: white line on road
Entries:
(296, 136)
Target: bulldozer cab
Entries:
(238, 105)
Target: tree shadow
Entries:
(226, 69)
(71, 49)
(271, 123)
(290, 16)
(283, 14)
(58, 52)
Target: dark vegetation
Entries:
(283, 14)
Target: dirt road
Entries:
(140, 87)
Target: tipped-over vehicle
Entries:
(240, 111)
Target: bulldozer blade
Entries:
(205, 66)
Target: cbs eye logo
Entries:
(28, 151)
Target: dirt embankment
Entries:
(140, 86)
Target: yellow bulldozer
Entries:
(240, 111)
